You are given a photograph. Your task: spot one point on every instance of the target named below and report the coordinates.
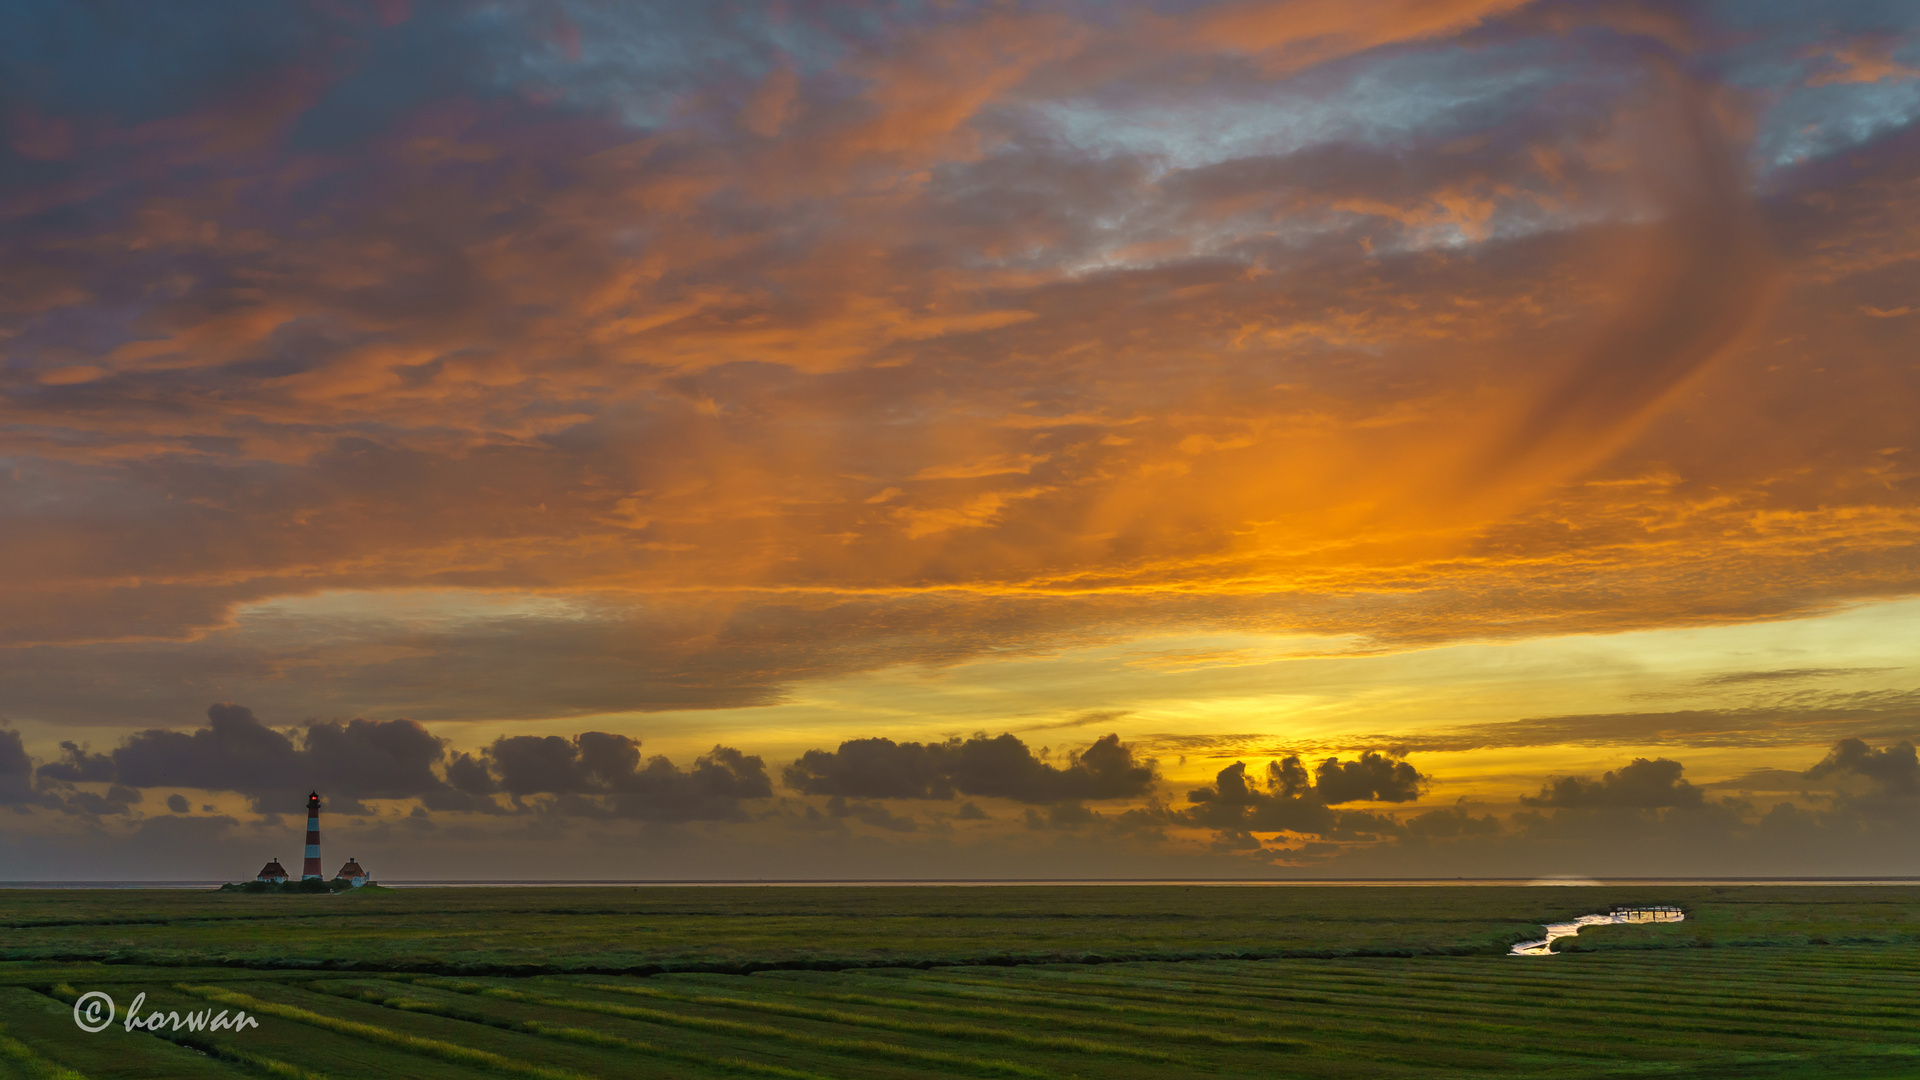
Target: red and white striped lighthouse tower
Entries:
(312, 869)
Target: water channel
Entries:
(1617, 916)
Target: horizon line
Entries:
(1543, 882)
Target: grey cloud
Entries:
(469, 775)
(871, 769)
(178, 803)
(1097, 716)
(1371, 776)
(347, 762)
(53, 791)
(815, 821)
(234, 747)
(374, 758)
(1850, 837)
(1071, 815)
(873, 814)
(1143, 822)
(528, 764)
(16, 770)
(1792, 719)
(712, 789)
(117, 800)
(1765, 780)
(1646, 820)
(1218, 746)
(598, 774)
(999, 767)
(1735, 678)
(1895, 769)
(604, 657)
(1006, 768)
(1641, 785)
(78, 766)
(594, 773)
(1451, 822)
(1294, 800)
(387, 759)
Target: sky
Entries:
(1185, 438)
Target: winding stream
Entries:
(1556, 931)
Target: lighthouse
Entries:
(312, 869)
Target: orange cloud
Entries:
(1291, 34)
(1859, 60)
(883, 329)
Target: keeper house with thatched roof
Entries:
(273, 871)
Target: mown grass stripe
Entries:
(436, 1048)
(1800, 980)
(1569, 1012)
(1410, 988)
(1643, 1003)
(1500, 1023)
(1054, 1004)
(1728, 993)
(1646, 1025)
(1584, 966)
(1426, 1015)
(959, 1031)
(1188, 1014)
(1594, 972)
(581, 1036)
(27, 1061)
(260, 1063)
(1075, 987)
(1368, 991)
(1110, 1026)
(997, 1066)
(1071, 995)
(1419, 1029)
(1585, 970)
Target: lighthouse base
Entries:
(304, 885)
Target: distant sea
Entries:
(989, 883)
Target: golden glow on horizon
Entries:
(1309, 696)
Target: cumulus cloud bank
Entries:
(592, 774)
(1292, 800)
(597, 774)
(1640, 785)
(1099, 811)
(1895, 769)
(1000, 767)
(390, 759)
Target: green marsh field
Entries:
(1003, 981)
